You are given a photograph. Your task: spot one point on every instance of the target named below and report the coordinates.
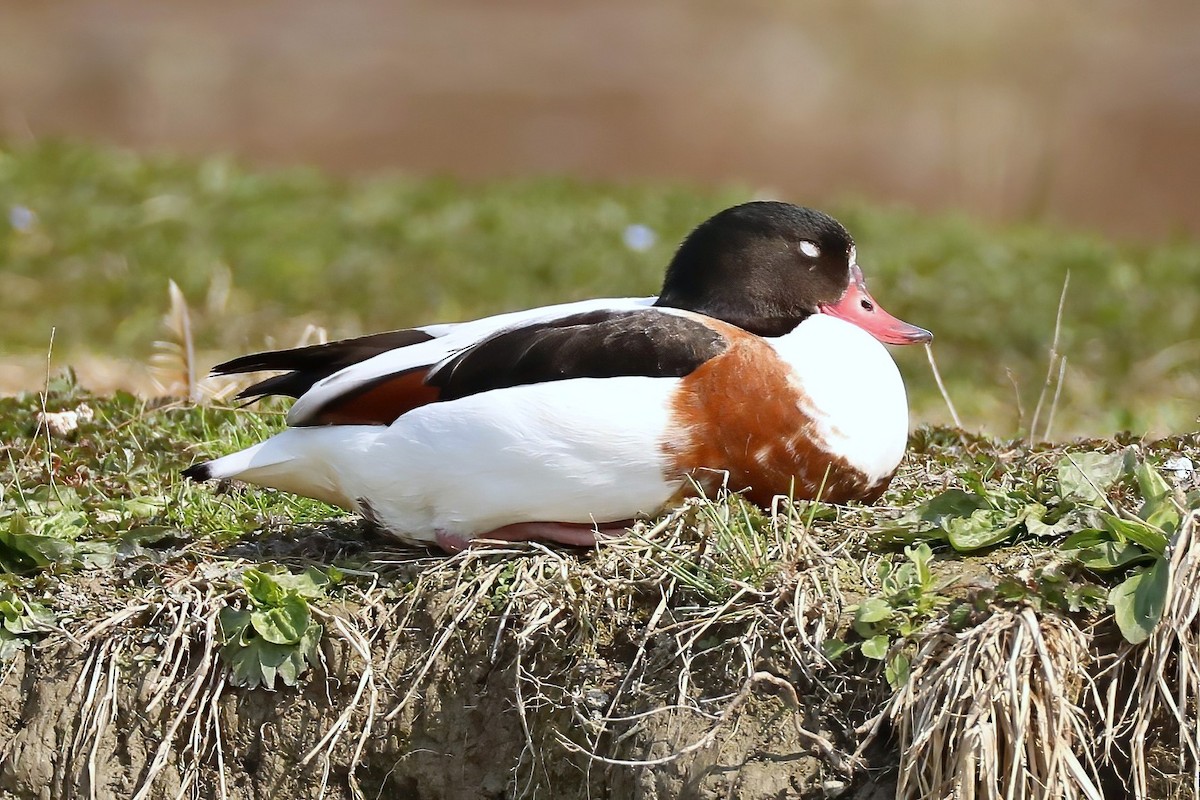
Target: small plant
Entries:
(42, 528)
(21, 621)
(57, 528)
(908, 600)
(1099, 535)
(989, 515)
(1132, 545)
(275, 634)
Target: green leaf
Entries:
(876, 647)
(311, 583)
(984, 528)
(289, 669)
(11, 644)
(310, 641)
(269, 584)
(1086, 477)
(1104, 550)
(1085, 597)
(234, 622)
(151, 534)
(1138, 602)
(65, 525)
(143, 507)
(1034, 516)
(1110, 555)
(262, 587)
(959, 616)
(271, 657)
(22, 617)
(1151, 484)
(928, 520)
(257, 662)
(920, 556)
(897, 670)
(22, 550)
(38, 615)
(1152, 539)
(95, 555)
(1159, 507)
(873, 610)
(895, 581)
(284, 623)
(1088, 537)
(951, 504)
(20, 622)
(244, 661)
(833, 649)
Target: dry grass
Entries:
(186, 679)
(174, 632)
(1158, 682)
(173, 363)
(548, 607)
(992, 712)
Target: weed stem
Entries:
(937, 376)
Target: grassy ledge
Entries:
(1010, 618)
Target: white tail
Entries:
(302, 461)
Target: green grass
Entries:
(260, 255)
(115, 479)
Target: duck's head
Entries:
(768, 266)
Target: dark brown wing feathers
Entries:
(307, 365)
(601, 344)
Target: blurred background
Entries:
(370, 165)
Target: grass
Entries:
(262, 255)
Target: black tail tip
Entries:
(198, 472)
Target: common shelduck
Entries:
(759, 368)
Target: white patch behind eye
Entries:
(810, 249)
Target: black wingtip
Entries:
(198, 472)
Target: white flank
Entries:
(582, 450)
(857, 395)
(451, 339)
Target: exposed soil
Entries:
(75, 719)
(462, 737)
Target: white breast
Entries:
(854, 389)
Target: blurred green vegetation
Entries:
(91, 236)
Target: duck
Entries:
(759, 368)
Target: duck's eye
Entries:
(810, 249)
(868, 305)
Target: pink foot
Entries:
(569, 533)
